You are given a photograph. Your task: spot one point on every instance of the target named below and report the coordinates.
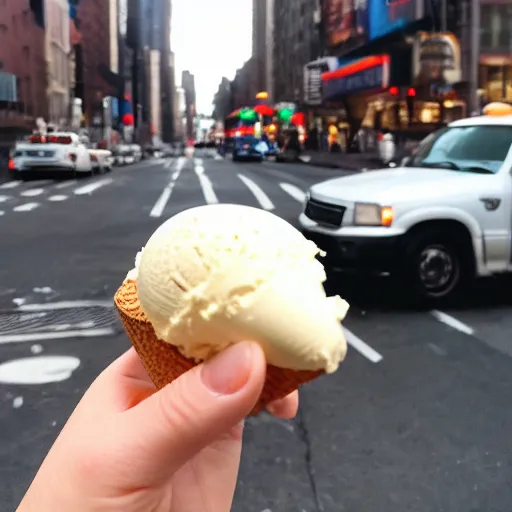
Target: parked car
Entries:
(57, 152)
(102, 160)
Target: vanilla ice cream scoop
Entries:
(215, 275)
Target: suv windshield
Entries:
(481, 148)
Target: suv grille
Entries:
(324, 213)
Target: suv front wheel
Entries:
(437, 266)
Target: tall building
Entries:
(167, 73)
(263, 44)
(243, 86)
(222, 101)
(153, 67)
(296, 43)
(96, 50)
(23, 78)
(58, 51)
(188, 85)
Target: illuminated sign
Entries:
(370, 73)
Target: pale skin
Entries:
(128, 447)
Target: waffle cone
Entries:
(164, 362)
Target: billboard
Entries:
(360, 21)
(344, 20)
(390, 15)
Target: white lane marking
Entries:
(363, 348)
(36, 349)
(27, 207)
(42, 336)
(32, 192)
(66, 184)
(10, 184)
(452, 322)
(168, 164)
(260, 196)
(91, 187)
(4, 199)
(38, 370)
(162, 201)
(2, 213)
(57, 198)
(293, 191)
(17, 402)
(65, 304)
(198, 161)
(206, 185)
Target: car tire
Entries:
(235, 158)
(438, 267)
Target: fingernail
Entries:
(229, 371)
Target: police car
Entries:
(441, 219)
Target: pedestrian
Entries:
(130, 448)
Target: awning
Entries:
(367, 74)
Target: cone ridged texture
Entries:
(164, 362)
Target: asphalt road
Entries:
(417, 420)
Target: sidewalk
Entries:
(347, 161)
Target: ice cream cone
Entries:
(164, 362)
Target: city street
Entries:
(418, 419)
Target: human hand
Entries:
(128, 447)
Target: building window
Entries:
(496, 31)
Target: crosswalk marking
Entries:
(91, 187)
(293, 191)
(258, 193)
(32, 192)
(4, 199)
(27, 207)
(57, 198)
(10, 184)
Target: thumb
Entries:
(173, 425)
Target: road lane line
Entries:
(161, 202)
(293, 191)
(57, 198)
(260, 196)
(27, 207)
(32, 192)
(66, 184)
(2, 213)
(363, 348)
(41, 336)
(10, 184)
(91, 187)
(4, 199)
(206, 185)
(452, 322)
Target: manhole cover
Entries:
(95, 317)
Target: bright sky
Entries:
(211, 39)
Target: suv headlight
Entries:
(368, 214)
